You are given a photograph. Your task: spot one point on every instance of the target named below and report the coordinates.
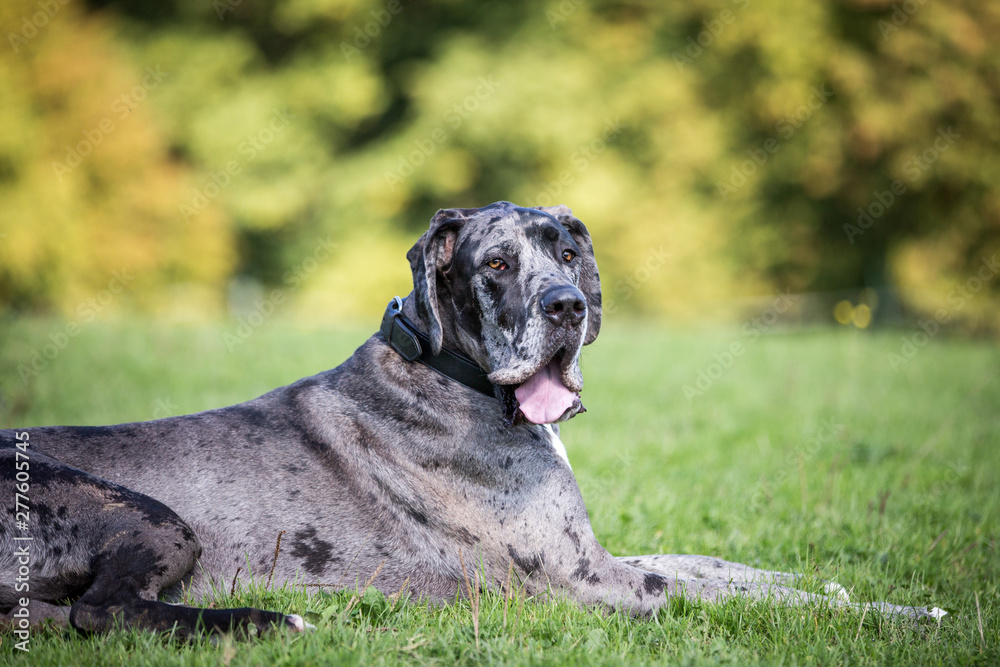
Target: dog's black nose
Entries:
(564, 304)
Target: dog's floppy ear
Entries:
(430, 255)
(590, 279)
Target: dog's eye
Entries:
(498, 264)
(568, 255)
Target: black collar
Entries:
(414, 345)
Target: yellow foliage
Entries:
(90, 190)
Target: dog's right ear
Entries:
(429, 257)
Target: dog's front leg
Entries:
(707, 567)
(552, 545)
(595, 578)
(721, 579)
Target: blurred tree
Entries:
(886, 145)
(715, 148)
(88, 188)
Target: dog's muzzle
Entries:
(551, 393)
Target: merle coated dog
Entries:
(438, 437)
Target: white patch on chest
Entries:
(557, 444)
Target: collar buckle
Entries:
(398, 334)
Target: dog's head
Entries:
(517, 290)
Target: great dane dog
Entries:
(437, 438)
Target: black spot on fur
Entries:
(43, 513)
(527, 565)
(466, 536)
(574, 538)
(315, 553)
(654, 583)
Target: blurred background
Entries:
(191, 160)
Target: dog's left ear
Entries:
(590, 279)
(431, 254)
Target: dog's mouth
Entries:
(542, 398)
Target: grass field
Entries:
(808, 453)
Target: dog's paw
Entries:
(936, 614)
(916, 613)
(296, 623)
(835, 590)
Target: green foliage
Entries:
(738, 138)
(898, 502)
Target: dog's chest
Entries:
(557, 445)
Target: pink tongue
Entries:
(543, 396)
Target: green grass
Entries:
(809, 454)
